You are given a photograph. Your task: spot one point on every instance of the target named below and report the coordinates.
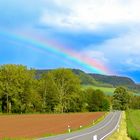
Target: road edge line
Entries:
(114, 128)
(91, 131)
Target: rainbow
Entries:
(43, 45)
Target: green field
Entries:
(133, 124)
(106, 90)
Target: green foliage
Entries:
(107, 90)
(85, 78)
(133, 124)
(0, 105)
(57, 91)
(113, 80)
(101, 80)
(61, 88)
(121, 99)
(16, 88)
(135, 102)
(96, 100)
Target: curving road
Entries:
(102, 129)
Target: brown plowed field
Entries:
(37, 125)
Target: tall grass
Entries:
(133, 124)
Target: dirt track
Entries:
(37, 125)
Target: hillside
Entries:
(113, 80)
(116, 81)
(101, 80)
(84, 77)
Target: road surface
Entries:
(102, 130)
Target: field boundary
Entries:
(78, 130)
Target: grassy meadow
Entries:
(133, 124)
(106, 90)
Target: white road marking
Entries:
(95, 137)
(92, 131)
(112, 129)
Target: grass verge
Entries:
(133, 124)
(122, 133)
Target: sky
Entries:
(96, 36)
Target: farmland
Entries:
(38, 125)
(133, 124)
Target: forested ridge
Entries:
(24, 90)
(102, 80)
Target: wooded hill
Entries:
(102, 80)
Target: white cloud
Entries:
(91, 14)
(134, 63)
(122, 53)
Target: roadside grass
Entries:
(120, 134)
(133, 124)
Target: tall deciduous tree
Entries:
(60, 86)
(16, 83)
(121, 99)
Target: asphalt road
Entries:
(102, 130)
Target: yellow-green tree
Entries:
(16, 88)
(121, 99)
(59, 87)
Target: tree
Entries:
(97, 100)
(77, 102)
(16, 87)
(59, 87)
(121, 99)
(49, 92)
(9, 85)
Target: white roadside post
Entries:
(69, 129)
(118, 128)
(95, 137)
(93, 122)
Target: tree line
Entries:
(56, 91)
